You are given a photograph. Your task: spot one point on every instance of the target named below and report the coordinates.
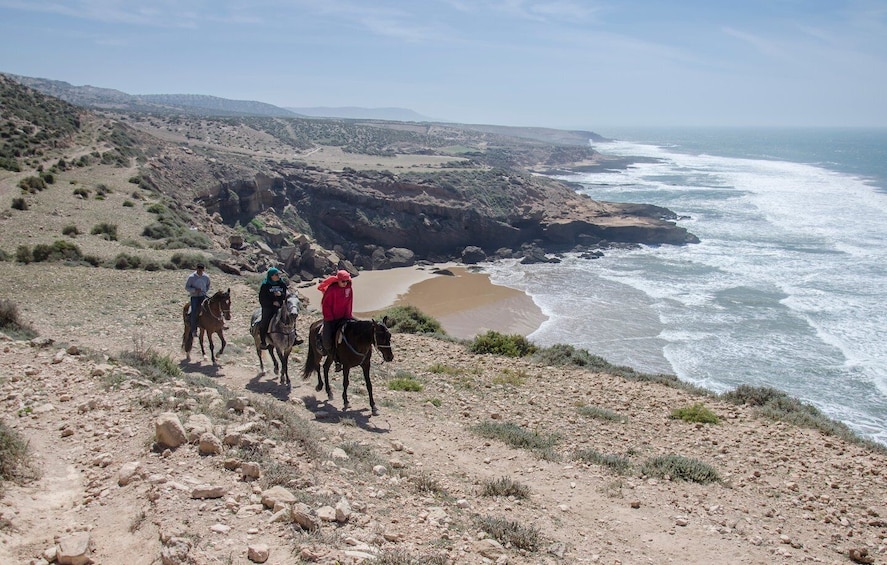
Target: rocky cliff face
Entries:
(429, 218)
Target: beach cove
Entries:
(466, 302)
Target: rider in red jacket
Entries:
(337, 302)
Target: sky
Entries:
(550, 63)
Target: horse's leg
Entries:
(326, 377)
(261, 362)
(222, 338)
(273, 358)
(200, 337)
(212, 347)
(366, 380)
(284, 362)
(345, 370)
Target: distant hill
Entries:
(357, 113)
(110, 99)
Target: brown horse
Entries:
(211, 319)
(281, 336)
(354, 345)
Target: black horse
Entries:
(281, 336)
(354, 348)
(211, 319)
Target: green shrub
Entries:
(23, 254)
(19, 203)
(60, 250)
(124, 261)
(500, 344)
(106, 230)
(128, 203)
(81, 192)
(511, 377)
(32, 184)
(697, 413)
(405, 382)
(187, 260)
(680, 468)
(71, 230)
(411, 320)
(48, 178)
(505, 486)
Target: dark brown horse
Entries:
(354, 345)
(281, 336)
(211, 319)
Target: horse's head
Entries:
(382, 339)
(224, 301)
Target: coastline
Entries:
(466, 304)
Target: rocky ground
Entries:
(278, 474)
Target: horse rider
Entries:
(272, 295)
(336, 304)
(197, 286)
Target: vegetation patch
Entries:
(505, 486)
(777, 405)
(513, 377)
(397, 556)
(411, 320)
(508, 532)
(615, 463)
(677, 467)
(406, 382)
(697, 413)
(515, 436)
(14, 456)
(495, 343)
(106, 230)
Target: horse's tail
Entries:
(311, 361)
(187, 339)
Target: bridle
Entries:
(224, 308)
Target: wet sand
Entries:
(466, 304)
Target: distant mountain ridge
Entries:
(358, 113)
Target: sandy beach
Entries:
(466, 303)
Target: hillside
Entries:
(311, 195)
(473, 458)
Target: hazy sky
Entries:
(557, 63)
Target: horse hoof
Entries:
(374, 411)
(318, 388)
(275, 370)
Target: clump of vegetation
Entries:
(677, 467)
(60, 250)
(124, 261)
(406, 382)
(106, 230)
(399, 556)
(187, 260)
(777, 405)
(153, 366)
(19, 203)
(443, 369)
(513, 377)
(82, 192)
(32, 185)
(600, 413)
(515, 436)
(12, 323)
(615, 463)
(411, 320)
(425, 483)
(14, 463)
(505, 486)
(508, 532)
(500, 344)
(697, 413)
(71, 230)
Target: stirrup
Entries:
(338, 367)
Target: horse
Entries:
(354, 347)
(211, 319)
(281, 334)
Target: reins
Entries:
(220, 317)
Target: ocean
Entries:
(787, 289)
